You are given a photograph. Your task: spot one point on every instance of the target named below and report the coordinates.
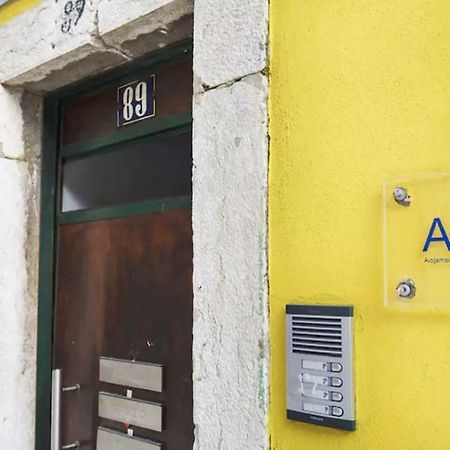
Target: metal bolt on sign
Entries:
(406, 289)
(401, 196)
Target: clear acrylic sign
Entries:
(417, 244)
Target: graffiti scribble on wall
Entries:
(73, 10)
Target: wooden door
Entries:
(123, 310)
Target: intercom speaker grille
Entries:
(316, 335)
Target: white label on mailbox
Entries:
(130, 411)
(113, 440)
(316, 409)
(308, 378)
(316, 393)
(314, 365)
(135, 374)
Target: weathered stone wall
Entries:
(229, 219)
(63, 45)
(18, 268)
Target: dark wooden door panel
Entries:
(94, 115)
(124, 290)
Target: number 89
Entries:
(135, 101)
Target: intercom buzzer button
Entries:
(336, 411)
(336, 382)
(336, 396)
(336, 367)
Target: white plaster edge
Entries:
(230, 332)
(16, 339)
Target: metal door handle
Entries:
(56, 411)
(76, 444)
(75, 387)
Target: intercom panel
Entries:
(319, 355)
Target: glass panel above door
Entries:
(157, 167)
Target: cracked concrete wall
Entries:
(65, 45)
(230, 227)
(230, 40)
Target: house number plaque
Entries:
(136, 101)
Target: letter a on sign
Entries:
(431, 238)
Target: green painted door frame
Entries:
(50, 217)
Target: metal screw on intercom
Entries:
(401, 196)
(406, 289)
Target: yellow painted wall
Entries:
(13, 8)
(360, 93)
